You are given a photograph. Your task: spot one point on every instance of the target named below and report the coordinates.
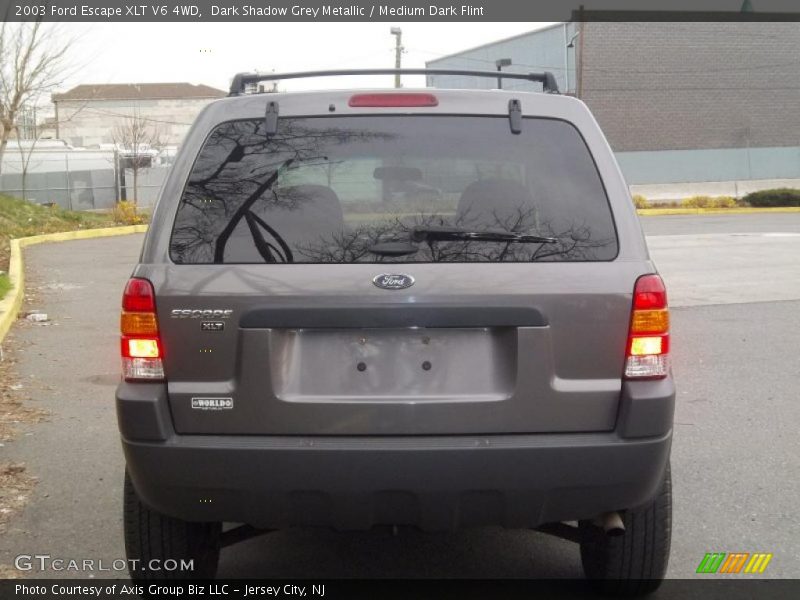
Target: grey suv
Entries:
(431, 308)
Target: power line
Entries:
(761, 89)
(128, 116)
(622, 69)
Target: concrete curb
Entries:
(747, 210)
(11, 304)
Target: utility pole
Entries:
(398, 53)
(579, 74)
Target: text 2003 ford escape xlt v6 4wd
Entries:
(431, 308)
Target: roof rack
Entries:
(241, 80)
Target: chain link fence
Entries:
(79, 179)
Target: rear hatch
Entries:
(394, 274)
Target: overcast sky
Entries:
(211, 53)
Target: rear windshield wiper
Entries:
(393, 248)
(452, 234)
(427, 234)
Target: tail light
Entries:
(647, 355)
(141, 345)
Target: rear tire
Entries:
(151, 536)
(634, 563)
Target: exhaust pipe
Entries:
(611, 523)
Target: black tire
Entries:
(151, 536)
(634, 563)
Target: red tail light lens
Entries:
(139, 296)
(647, 354)
(392, 99)
(140, 344)
(649, 293)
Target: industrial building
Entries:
(87, 114)
(688, 107)
(73, 159)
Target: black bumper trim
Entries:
(392, 316)
(435, 483)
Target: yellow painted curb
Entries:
(10, 305)
(748, 210)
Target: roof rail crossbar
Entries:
(242, 80)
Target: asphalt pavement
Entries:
(736, 467)
(726, 259)
(719, 223)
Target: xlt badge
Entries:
(212, 326)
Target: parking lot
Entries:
(734, 283)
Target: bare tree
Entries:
(136, 138)
(33, 61)
(26, 153)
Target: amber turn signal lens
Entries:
(138, 324)
(650, 321)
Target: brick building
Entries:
(680, 102)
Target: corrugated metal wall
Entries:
(543, 50)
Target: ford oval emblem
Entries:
(387, 281)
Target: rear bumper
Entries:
(431, 482)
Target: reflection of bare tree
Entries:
(575, 242)
(348, 246)
(240, 198)
(257, 228)
(236, 170)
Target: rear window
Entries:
(389, 189)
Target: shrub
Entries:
(5, 284)
(725, 202)
(708, 202)
(697, 202)
(640, 201)
(125, 213)
(776, 197)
